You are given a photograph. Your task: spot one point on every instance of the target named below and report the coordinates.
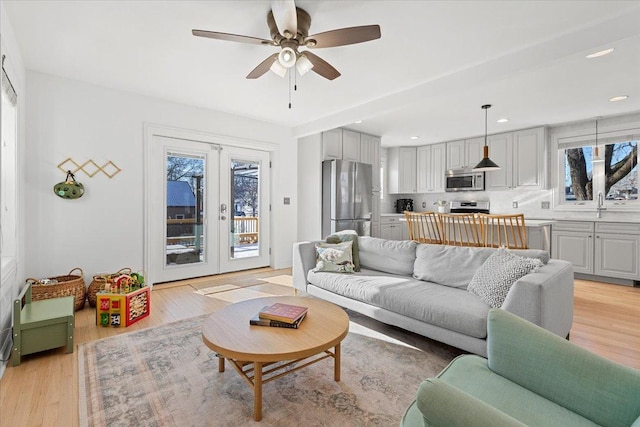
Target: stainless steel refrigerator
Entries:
(347, 189)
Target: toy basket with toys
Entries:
(117, 282)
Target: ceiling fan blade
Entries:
(322, 67)
(285, 15)
(344, 36)
(231, 37)
(263, 67)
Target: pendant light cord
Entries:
(486, 113)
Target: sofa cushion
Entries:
(347, 236)
(443, 306)
(334, 257)
(494, 278)
(448, 265)
(471, 374)
(390, 256)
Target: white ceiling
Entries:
(435, 65)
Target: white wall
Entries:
(310, 188)
(103, 230)
(10, 286)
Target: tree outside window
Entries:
(619, 180)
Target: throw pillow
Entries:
(494, 278)
(334, 257)
(348, 236)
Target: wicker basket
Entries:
(66, 286)
(99, 280)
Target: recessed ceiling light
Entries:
(600, 53)
(414, 137)
(503, 120)
(358, 122)
(618, 98)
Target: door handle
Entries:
(223, 208)
(222, 217)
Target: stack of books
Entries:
(280, 316)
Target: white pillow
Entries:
(494, 278)
(335, 258)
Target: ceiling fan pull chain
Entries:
(290, 90)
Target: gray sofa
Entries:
(422, 288)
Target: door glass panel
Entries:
(185, 230)
(245, 186)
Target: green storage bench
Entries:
(41, 325)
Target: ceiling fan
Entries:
(289, 28)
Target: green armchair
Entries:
(531, 377)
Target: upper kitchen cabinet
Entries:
(431, 168)
(402, 170)
(332, 144)
(370, 154)
(350, 145)
(520, 156)
(464, 154)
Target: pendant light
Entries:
(486, 164)
(596, 152)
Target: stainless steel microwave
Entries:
(464, 180)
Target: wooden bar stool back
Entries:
(424, 227)
(460, 229)
(506, 231)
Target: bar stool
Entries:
(507, 231)
(424, 227)
(460, 229)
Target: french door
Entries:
(244, 209)
(207, 210)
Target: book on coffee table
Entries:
(256, 320)
(283, 312)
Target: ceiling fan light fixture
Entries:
(303, 65)
(277, 68)
(287, 57)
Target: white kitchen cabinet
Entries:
(529, 158)
(617, 250)
(464, 154)
(456, 155)
(473, 151)
(390, 231)
(575, 247)
(520, 156)
(431, 168)
(350, 145)
(370, 154)
(392, 228)
(332, 144)
(608, 249)
(401, 177)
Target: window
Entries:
(613, 179)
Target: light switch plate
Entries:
(424, 205)
(514, 204)
(545, 205)
(287, 201)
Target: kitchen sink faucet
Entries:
(600, 207)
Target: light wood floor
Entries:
(43, 390)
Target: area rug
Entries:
(166, 376)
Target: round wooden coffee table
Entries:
(254, 351)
